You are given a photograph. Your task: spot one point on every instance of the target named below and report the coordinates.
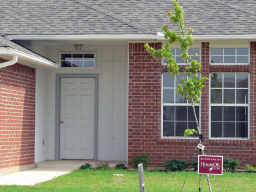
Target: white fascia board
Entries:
(7, 51)
(140, 37)
(85, 37)
(216, 37)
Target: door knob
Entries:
(61, 122)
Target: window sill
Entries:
(194, 140)
(229, 64)
(229, 139)
(178, 137)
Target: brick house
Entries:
(77, 83)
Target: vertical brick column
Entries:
(144, 108)
(17, 116)
(252, 93)
(205, 93)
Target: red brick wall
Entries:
(144, 112)
(17, 116)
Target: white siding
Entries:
(41, 118)
(112, 67)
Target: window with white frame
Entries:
(229, 105)
(177, 112)
(231, 56)
(195, 54)
(78, 60)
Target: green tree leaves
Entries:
(190, 87)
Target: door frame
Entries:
(59, 77)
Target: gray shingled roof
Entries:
(73, 17)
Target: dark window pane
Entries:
(229, 95)
(229, 113)
(180, 99)
(216, 129)
(229, 51)
(241, 114)
(64, 56)
(242, 59)
(242, 80)
(169, 113)
(66, 64)
(180, 77)
(216, 59)
(242, 96)
(180, 128)
(230, 59)
(78, 56)
(191, 116)
(229, 80)
(192, 125)
(178, 51)
(168, 129)
(168, 96)
(242, 129)
(216, 80)
(216, 96)
(88, 55)
(229, 129)
(181, 113)
(77, 60)
(179, 60)
(216, 113)
(242, 51)
(195, 58)
(193, 51)
(168, 80)
(216, 51)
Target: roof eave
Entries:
(216, 37)
(159, 36)
(85, 37)
(25, 58)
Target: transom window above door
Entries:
(229, 56)
(78, 60)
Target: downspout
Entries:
(13, 61)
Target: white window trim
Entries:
(173, 104)
(77, 68)
(229, 64)
(235, 105)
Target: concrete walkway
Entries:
(45, 171)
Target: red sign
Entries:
(209, 164)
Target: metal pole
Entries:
(209, 183)
(141, 177)
(207, 176)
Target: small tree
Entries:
(190, 88)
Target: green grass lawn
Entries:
(104, 181)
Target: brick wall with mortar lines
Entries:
(144, 111)
(17, 116)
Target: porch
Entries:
(48, 170)
(81, 112)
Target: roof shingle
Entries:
(79, 17)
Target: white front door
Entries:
(77, 118)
